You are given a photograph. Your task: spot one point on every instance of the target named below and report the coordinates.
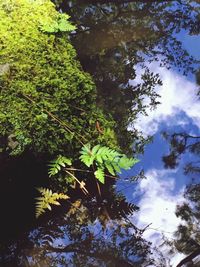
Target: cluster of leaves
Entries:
(180, 144)
(60, 25)
(48, 198)
(102, 158)
(57, 164)
(105, 158)
(46, 100)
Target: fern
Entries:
(61, 24)
(56, 165)
(101, 157)
(64, 25)
(47, 199)
(99, 174)
(105, 158)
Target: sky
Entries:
(158, 195)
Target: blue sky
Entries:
(191, 43)
(163, 189)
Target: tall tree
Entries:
(188, 233)
(187, 238)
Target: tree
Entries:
(187, 239)
(187, 235)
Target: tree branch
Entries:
(189, 258)
(98, 255)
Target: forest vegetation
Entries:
(69, 98)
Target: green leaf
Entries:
(85, 149)
(60, 23)
(95, 149)
(86, 155)
(99, 174)
(47, 198)
(104, 157)
(86, 159)
(116, 167)
(99, 158)
(110, 168)
(50, 28)
(126, 163)
(55, 165)
(65, 26)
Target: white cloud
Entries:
(178, 95)
(179, 107)
(157, 206)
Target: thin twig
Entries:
(64, 125)
(81, 185)
(80, 170)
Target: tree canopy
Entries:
(116, 38)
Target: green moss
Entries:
(42, 65)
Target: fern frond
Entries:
(57, 164)
(99, 174)
(95, 149)
(64, 25)
(87, 156)
(116, 167)
(126, 163)
(60, 24)
(110, 168)
(47, 199)
(105, 157)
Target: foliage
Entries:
(180, 144)
(59, 25)
(48, 198)
(47, 102)
(104, 157)
(187, 235)
(101, 157)
(55, 165)
(87, 240)
(116, 38)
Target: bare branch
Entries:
(189, 258)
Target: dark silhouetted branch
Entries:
(189, 258)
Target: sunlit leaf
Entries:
(99, 174)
